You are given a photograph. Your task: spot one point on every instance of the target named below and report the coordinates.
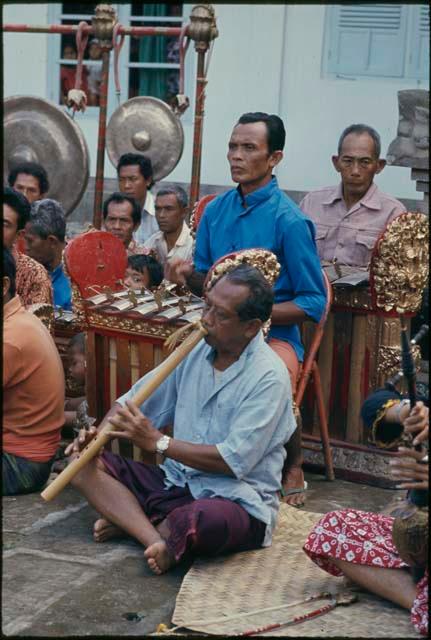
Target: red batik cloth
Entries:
(363, 537)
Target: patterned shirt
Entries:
(246, 412)
(349, 236)
(32, 281)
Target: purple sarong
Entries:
(206, 526)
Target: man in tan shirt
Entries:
(33, 393)
(351, 216)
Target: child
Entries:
(76, 408)
(143, 271)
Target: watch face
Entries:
(162, 444)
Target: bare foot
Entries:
(293, 487)
(104, 530)
(158, 557)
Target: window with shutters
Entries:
(380, 40)
(148, 66)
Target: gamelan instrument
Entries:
(37, 130)
(149, 126)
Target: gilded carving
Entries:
(202, 28)
(389, 361)
(261, 259)
(103, 23)
(399, 265)
(130, 325)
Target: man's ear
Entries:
(6, 285)
(381, 164)
(275, 158)
(253, 327)
(335, 160)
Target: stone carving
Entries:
(411, 146)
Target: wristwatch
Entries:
(162, 444)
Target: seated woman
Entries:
(359, 544)
(143, 272)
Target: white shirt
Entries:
(182, 249)
(148, 224)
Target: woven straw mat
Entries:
(277, 575)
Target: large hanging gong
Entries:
(39, 131)
(148, 126)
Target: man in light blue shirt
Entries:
(230, 404)
(259, 214)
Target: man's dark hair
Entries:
(9, 270)
(78, 342)
(31, 169)
(19, 203)
(359, 129)
(261, 298)
(155, 269)
(48, 219)
(176, 191)
(143, 162)
(119, 198)
(274, 127)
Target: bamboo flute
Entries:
(93, 447)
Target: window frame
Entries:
(55, 16)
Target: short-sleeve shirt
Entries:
(349, 236)
(183, 247)
(245, 411)
(267, 218)
(33, 386)
(148, 224)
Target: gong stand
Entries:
(201, 29)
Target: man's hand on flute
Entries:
(82, 439)
(131, 424)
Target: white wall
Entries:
(266, 58)
(317, 109)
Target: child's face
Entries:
(136, 280)
(94, 51)
(69, 53)
(76, 365)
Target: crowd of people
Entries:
(235, 448)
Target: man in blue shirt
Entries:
(259, 214)
(44, 237)
(230, 402)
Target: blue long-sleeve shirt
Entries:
(267, 218)
(61, 288)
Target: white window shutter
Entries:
(418, 64)
(367, 39)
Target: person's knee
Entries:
(83, 477)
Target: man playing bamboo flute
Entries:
(230, 404)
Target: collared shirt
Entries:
(246, 412)
(269, 219)
(61, 288)
(183, 247)
(33, 386)
(349, 236)
(32, 281)
(148, 224)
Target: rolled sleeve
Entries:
(258, 426)
(303, 265)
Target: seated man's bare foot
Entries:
(158, 557)
(104, 530)
(293, 487)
